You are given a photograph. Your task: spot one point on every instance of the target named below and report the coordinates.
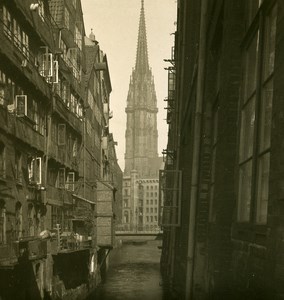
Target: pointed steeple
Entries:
(141, 136)
(142, 63)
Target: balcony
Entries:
(69, 242)
(73, 120)
(74, 242)
(9, 255)
(21, 129)
(19, 62)
(32, 248)
(20, 251)
(36, 21)
(58, 196)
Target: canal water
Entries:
(133, 274)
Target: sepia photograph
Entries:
(141, 150)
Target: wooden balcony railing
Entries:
(23, 250)
(70, 242)
(9, 255)
(31, 249)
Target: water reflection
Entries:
(134, 273)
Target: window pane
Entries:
(244, 195)
(265, 115)
(215, 126)
(251, 67)
(212, 209)
(262, 191)
(247, 130)
(269, 42)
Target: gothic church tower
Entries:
(141, 128)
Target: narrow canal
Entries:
(133, 274)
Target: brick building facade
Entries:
(225, 137)
(54, 112)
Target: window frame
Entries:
(258, 25)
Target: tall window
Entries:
(56, 216)
(212, 209)
(14, 32)
(66, 18)
(264, 126)
(18, 166)
(61, 178)
(255, 131)
(70, 181)
(31, 220)
(8, 25)
(18, 220)
(126, 217)
(2, 222)
(2, 160)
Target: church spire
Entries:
(142, 63)
(141, 136)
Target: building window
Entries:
(15, 33)
(31, 220)
(255, 131)
(56, 216)
(67, 219)
(78, 36)
(264, 124)
(212, 210)
(18, 220)
(35, 168)
(2, 160)
(125, 202)
(70, 182)
(75, 147)
(18, 166)
(126, 217)
(8, 25)
(2, 222)
(66, 18)
(61, 178)
(61, 134)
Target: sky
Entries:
(115, 25)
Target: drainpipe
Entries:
(196, 150)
